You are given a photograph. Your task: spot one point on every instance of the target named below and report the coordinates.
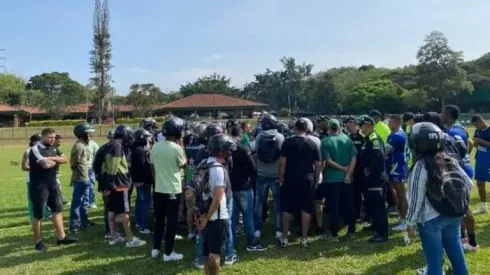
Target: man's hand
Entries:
(280, 181)
(347, 179)
(411, 232)
(367, 173)
(180, 142)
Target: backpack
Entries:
(199, 183)
(268, 150)
(455, 198)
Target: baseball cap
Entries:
(374, 113)
(334, 123)
(350, 119)
(365, 119)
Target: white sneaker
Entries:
(173, 257)
(155, 253)
(93, 206)
(178, 238)
(423, 271)
(135, 242)
(278, 235)
(468, 247)
(145, 231)
(117, 240)
(482, 208)
(400, 227)
(257, 234)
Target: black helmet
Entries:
(221, 144)
(211, 130)
(282, 128)
(82, 128)
(110, 135)
(426, 137)
(173, 127)
(268, 122)
(142, 135)
(125, 133)
(198, 131)
(148, 124)
(34, 139)
(232, 123)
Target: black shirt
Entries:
(244, 169)
(140, 165)
(97, 165)
(301, 154)
(39, 176)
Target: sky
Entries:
(172, 42)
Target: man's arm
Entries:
(318, 171)
(282, 168)
(25, 161)
(46, 163)
(181, 158)
(480, 142)
(353, 161)
(218, 194)
(251, 166)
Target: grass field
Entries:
(92, 255)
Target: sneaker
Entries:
(117, 240)
(135, 242)
(422, 271)
(178, 237)
(257, 234)
(145, 231)
(93, 206)
(468, 247)
(67, 240)
(40, 246)
(256, 248)
(304, 243)
(400, 227)
(279, 235)
(173, 257)
(198, 264)
(155, 253)
(284, 243)
(231, 260)
(378, 239)
(482, 209)
(107, 236)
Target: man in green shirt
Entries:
(80, 165)
(381, 128)
(246, 129)
(339, 160)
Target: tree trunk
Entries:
(443, 103)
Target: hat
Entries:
(374, 113)
(350, 119)
(334, 123)
(365, 119)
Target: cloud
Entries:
(213, 57)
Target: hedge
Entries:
(45, 123)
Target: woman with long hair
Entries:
(438, 199)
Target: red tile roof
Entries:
(7, 108)
(211, 100)
(31, 109)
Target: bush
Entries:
(137, 120)
(284, 112)
(46, 123)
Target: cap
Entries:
(350, 119)
(374, 113)
(334, 123)
(365, 119)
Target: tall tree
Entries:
(100, 57)
(57, 92)
(143, 97)
(440, 68)
(210, 84)
(11, 88)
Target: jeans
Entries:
(91, 195)
(243, 203)
(79, 204)
(166, 208)
(438, 234)
(263, 185)
(142, 206)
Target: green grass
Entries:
(92, 255)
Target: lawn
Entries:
(92, 255)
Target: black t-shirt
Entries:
(301, 154)
(244, 169)
(39, 176)
(140, 165)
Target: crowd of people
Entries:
(216, 179)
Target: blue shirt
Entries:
(485, 135)
(397, 159)
(459, 133)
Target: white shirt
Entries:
(160, 137)
(27, 173)
(217, 178)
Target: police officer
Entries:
(358, 139)
(372, 165)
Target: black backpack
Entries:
(200, 185)
(455, 198)
(268, 150)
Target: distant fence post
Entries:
(13, 132)
(25, 132)
(100, 130)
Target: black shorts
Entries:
(320, 193)
(42, 196)
(118, 202)
(214, 237)
(298, 197)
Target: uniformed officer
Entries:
(372, 165)
(322, 126)
(358, 139)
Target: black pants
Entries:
(340, 199)
(357, 185)
(375, 203)
(166, 210)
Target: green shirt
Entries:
(92, 148)
(340, 149)
(245, 140)
(79, 161)
(383, 131)
(167, 158)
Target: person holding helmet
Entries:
(80, 163)
(214, 221)
(372, 165)
(210, 130)
(167, 161)
(268, 148)
(141, 178)
(438, 199)
(116, 185)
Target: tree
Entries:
(210, 84)
(12, 88)
(100, 57)
(322, 95)
(143, 97)
(57, 92)
(440, 68)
